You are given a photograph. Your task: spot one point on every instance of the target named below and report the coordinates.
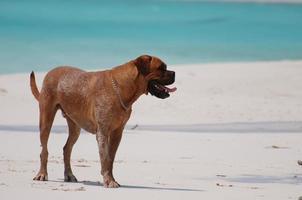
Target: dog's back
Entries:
(53, 80)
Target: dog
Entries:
(99, 102)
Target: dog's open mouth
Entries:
(164, 88)
(159, 90)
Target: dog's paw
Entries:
(41, 177)
(70, 178)
(111, 184)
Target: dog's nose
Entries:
(173, 74)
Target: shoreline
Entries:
(285, 61)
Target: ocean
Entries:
(39, 35)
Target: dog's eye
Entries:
(163, 67)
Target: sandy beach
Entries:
(231, 131)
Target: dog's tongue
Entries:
(170, 89)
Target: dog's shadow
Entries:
(96, 183)
(161, 188)
(99, 184)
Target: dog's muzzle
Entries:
(158, 87)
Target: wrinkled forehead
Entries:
(157, 64)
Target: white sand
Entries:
(232, 131)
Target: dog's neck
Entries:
(129, 83)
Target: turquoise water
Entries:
(38, 35)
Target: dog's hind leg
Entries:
(74, 132)
(47, 114)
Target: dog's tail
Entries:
(33, 86)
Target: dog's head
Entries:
(156, 74)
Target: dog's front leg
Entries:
(107, 149)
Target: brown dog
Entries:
(99, 102)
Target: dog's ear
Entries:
(143, 64)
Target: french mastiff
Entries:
(98, 102)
